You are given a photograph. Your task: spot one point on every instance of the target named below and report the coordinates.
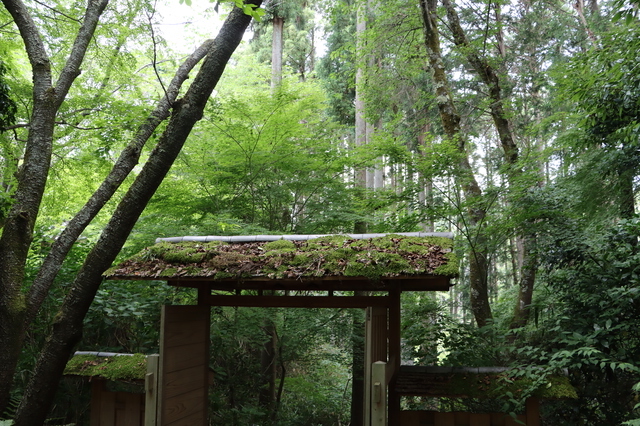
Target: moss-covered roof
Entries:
(117, 367)
(483, 383)
(385, 256)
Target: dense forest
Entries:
(513, 125)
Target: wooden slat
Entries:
(298, 301)
(445, 419)
(151, 391)
(192, 420)
(498, 419)
(97, 389)
(184, 349)
(183, 406)
(183, 357)
(176, 382)
(532, 411)
(128, 409)
(480, 419)
(417, 418)
(518, 421)
(461, 418)
(108, 409)
(185, 333)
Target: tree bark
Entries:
(17, 232)
(67, 327)
(476, 210)
(277, 47)
(490, 77)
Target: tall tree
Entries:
(17, 233)
(476, 210)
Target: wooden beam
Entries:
(297, 301)
(404, 283)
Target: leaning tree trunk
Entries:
(476, 211)
(67, 327)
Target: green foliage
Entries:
(8, 108)
(312, 359)
(590, 326)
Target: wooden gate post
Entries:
(151, 391)
(376, 335)
(379, 394)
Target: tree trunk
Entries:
(277, 47)
(17, 232)
(67, 327)
(476, 211)
(503, 126)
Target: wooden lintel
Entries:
(404, 283)
(298, 301)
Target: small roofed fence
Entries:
(475, 382)
(123, 386)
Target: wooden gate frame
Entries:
(382, 343)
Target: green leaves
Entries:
(250, 9)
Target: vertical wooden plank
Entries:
(97, 389)
(480, 419)
(518, 421)
(498, 419)
(151, 391)
(532, 411)
(131, 409)
(108, 409)
(375, 350)
(445, 419)
(183, 365)
(461, 418)
(378, 394)
(393, 366)
(368, 362)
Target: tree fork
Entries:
(41, 389)
(476, 211)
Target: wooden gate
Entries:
(432, 418)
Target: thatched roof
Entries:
(292, 257)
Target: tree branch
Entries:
(71, 69)
(126, 162)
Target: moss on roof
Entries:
(337, 255)
(119, 367)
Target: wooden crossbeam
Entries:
(295, 301)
